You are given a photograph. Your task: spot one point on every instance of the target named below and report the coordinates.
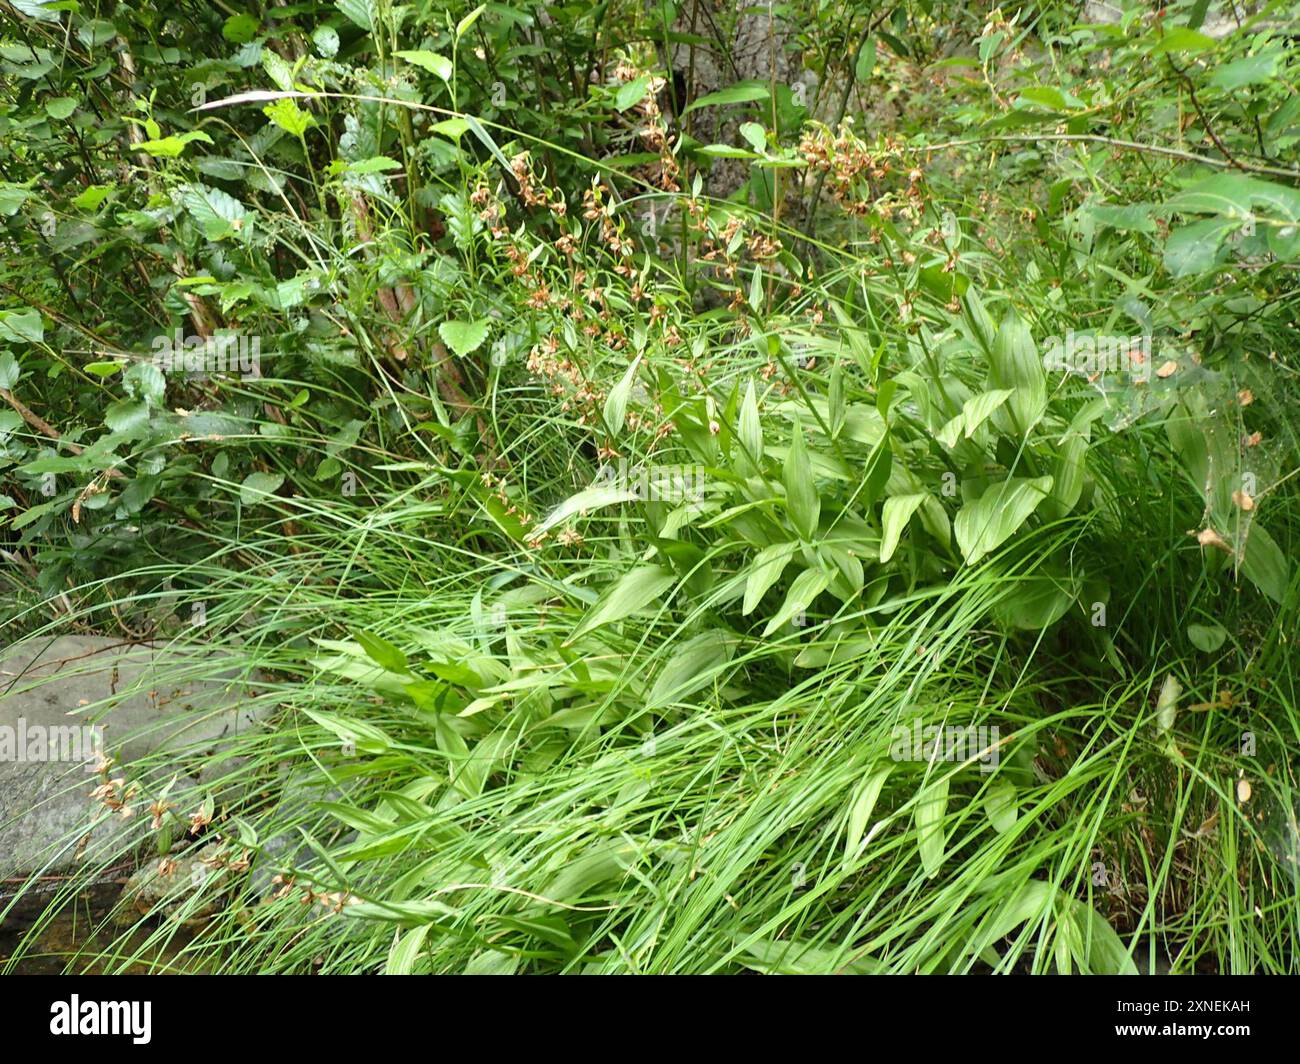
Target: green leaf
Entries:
(218, 213)
(866, 60)
(897, 512)
(985, 524)
(801, 499)
(1167, 703)
(382, 652)
(92, 196)
(126, 415)
(632, 93)
(286, 114)
(1016, 364)
(1264, 564)
(692, 666)
(1048, 96)
(1000, 806)
(979, 408)
(10, 371)
(1181, 39)
(1195, 248)
(616, 402)
(12, 197)
(861, 807)
(764, 571)
(742, 92)
(259, 488)
(362, 735)
(326, 40)
(462, 27)
(60, 107)
(22, 326)
(1129, 218)
(634, 591)
(750, 429)
(931, 805)
(430, 61)
(1255, 70)
(171, 147)
(451, 128)
(405, 951)
(240, 29)
(755, 135)
(1207, 638)
(803, 592)
(463, 337)
(358, 12)
(592, 498)
(376, 165)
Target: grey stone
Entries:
(146, 706)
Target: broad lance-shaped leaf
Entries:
(985, 524)
(592, 498)
(259, 487)
(974, 412)
(745, 92)
(616, 401)
(1265, 565)
(1015, 363)
(405, 951)
(766, 570)
(860, 810)
(693, 666)
(897, 512)
(806, 587)
(634, 591)
(1001, 806)
(801, 499)
(751, 429)
(931, 805)
(430, 61)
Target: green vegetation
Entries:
(627, 440)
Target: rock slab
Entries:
(65, 701)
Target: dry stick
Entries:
(1128, 145)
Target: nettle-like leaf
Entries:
(463, 337)
(22, 326)
(359, 12)
(10, 371)
(286, 114)
(217, 213)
